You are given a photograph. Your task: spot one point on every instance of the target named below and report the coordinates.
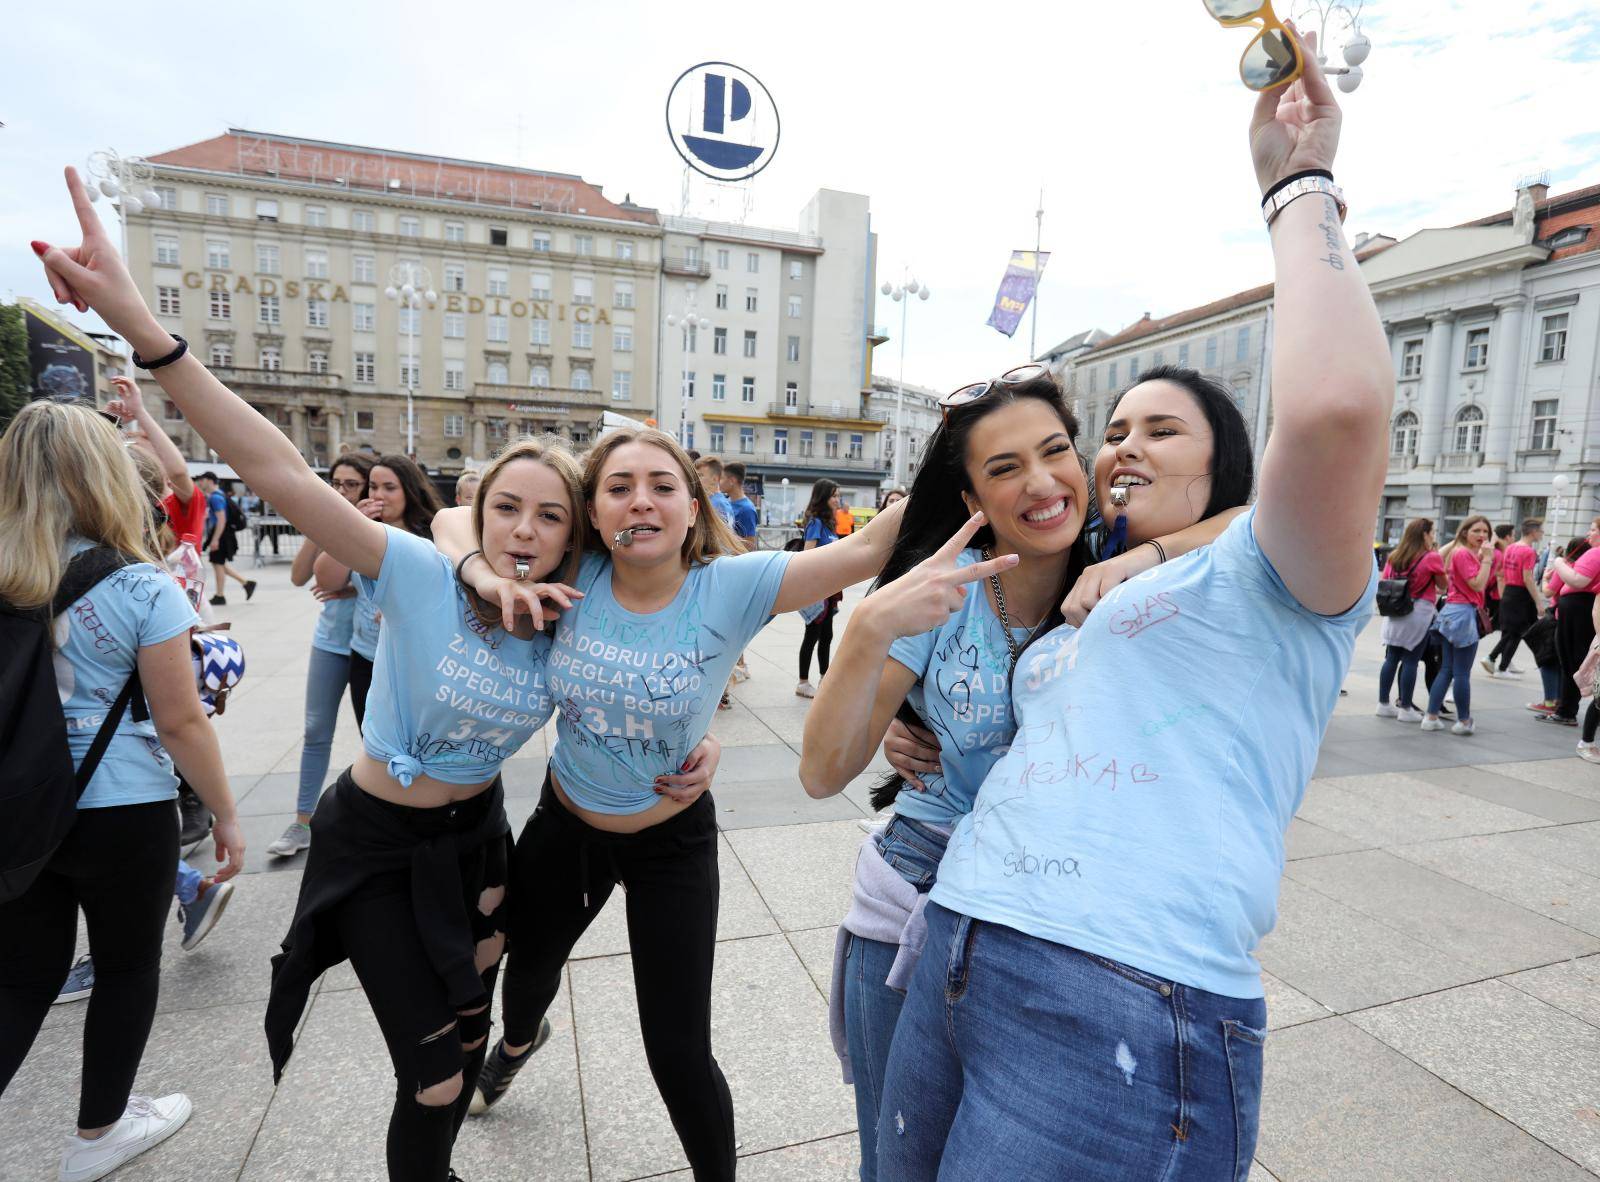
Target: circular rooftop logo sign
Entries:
(723, 121)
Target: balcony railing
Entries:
(677, 264)
(293, 378)
(542, 397)
(1459, 461)
(818, 411)
(792, 459)
(1402, 463)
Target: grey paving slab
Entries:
(769, 1033)
(1573, 987)
(524, 776)
(1569, 774)
(803, 872)
(1340, 1106)
(1287, 1006)
(751, 804)
(1510, 866)
(215, 1056)
(1489, 783)
(740, 728)
(1346, 960)
(1528, 1061)
(1387, 808)
(770, 762)
(1308, 840)
(814, 947)
(1477, 929)
(276, 792)
(259, 832)
(740, 912)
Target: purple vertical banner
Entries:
(1017, 288)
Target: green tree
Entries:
(15, 384)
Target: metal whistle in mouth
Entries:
(623, 537)
(1119, 495)
(522, 571)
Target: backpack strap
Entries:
(83, 572)
(102, 739)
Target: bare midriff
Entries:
(664, 809)
(425, 792)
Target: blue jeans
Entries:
(1405, 661)
(1550, 677)
(1457, 667)
(871, 1008)
(326, 678)
(1019, 1058)
(187, 887)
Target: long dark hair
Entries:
(935, 511)
(1412, 545)
(422, 499)
(1232, 464)
(822, 492)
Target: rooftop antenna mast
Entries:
(1038, 241)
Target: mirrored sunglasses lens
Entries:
(1270, 61)
(1023, 373)
(966, 394)
(1233, 10)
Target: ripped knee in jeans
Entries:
(474, 1027)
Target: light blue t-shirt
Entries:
(636, 693)
(365, 621)
(723, 506)
(98, 639)
(963, 694)
(450, 697)
(1141, 809)
(335, 624)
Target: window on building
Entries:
(366, 367)
(1094, 379)
(498, 373)
(1133, 368)
(498, 236)
(266, 258)
(791, 394)
(752, 263)
(541, 242)
(499, 281)
(365, 420)
(1403, 438)
(1211, 357)
(1456, 510)
(316, 313)
(167, 301)
(218, 256)
(1477, 349)
(722, 296)
(621, 386)
(749, 343)
(1411, 359)
(166, 251)
(691, 339)
(455, 326)
(455, 277)
(499, 329)
(455, 375)
(691, 256)
(220, 304)
(582, 379)
(497, 429)
(455, 232)
(747, 390)
(363, 221)
(780, 441)
(316, 264)
(364, 317)
(796, 306)
(808, 443)
(722, 259)
(216, 205)
(363, 268)
(410, 374)
(622, 293)
(538, 331)
(269, 310)
(316, 215)
(1571, 236)
(1543, 437)
(752, 299)
(266, 210)
(1111, 375)
(747, 440)
(1469, 430)
(1183, 353)
(797, 269)
(1241, 348)
(271, 358)
(539, 375)
(167, 197)
(857, 445)
(1553, 338)
(170, 411)
(410, 321)
(793, 350)
(719, 387)
(583, 289)
(718, 436)
(455, 426)
(1532, 507)
(221, 355)
(1394, 520)
(1160, 358)
(622, 338)
(582, 335)
(688, 385)
(830, 445)
(583, 244)
(317, 361)
(719, 341)
(688, 435)
(622, 248)
(1241, 392)
(409, 227)
(540, 286)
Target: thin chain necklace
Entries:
(1000, 603)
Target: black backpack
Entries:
(39, 790)
(1394, 596)
(236, 518)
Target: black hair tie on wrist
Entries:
(179, 351)
(1290, 179)
(460, 566)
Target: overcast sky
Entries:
(950, 117)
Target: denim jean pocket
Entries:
(1128, 973)
(1246, 1051)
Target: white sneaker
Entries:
(805, 690)
(1462, 728)
(1404, 714)
(1387, 711)
(1518, 672)
(1509, 674)
(1433, 724)
(1487, 666)
(1589, 752)
(145, 1124)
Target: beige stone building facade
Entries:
(272, 256)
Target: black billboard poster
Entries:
(58, 364)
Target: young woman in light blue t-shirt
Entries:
(637, 669)
(817, 523)
(1010, 454)
(1087, 1004)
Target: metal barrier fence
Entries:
(272, 539)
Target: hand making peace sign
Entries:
(930, 592)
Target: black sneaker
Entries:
(218, 601)
(249, 590)
(195, 816)
(498, 1072)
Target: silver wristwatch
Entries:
(1300, 188)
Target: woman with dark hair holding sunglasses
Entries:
(1087, 1005)
(818, 524)
(1006, 450)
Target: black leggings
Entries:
(819, 636)
(1517, 614)
(360, 683)
(427, 1038)
(1574, 632)
(117, 864)
(562, 875)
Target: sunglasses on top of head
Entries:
(970, 394)
(1273, 57)
(87, 404)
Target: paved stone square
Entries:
(1433, 984)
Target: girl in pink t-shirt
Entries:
(1579, 581)
(1405, 638)
(1469, 565)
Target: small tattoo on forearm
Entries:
(1330, 232)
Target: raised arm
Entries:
(92, 275)
(1332, 376)
(819, 573)
(129, 404)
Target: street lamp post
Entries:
(901, 294)
(1318, 14)
(691, 321)
(411, 286)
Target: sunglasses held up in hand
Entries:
(1273, 57)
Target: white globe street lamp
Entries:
(690, 321)
(1320, 15)
(411, 287)
(899, 294)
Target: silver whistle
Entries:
(522, 571)
(1119, 495)
(624, 537)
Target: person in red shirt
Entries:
(1575, 629)
(1406, 637)
(1469, 565)
(183, 504)
(1520, 601)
